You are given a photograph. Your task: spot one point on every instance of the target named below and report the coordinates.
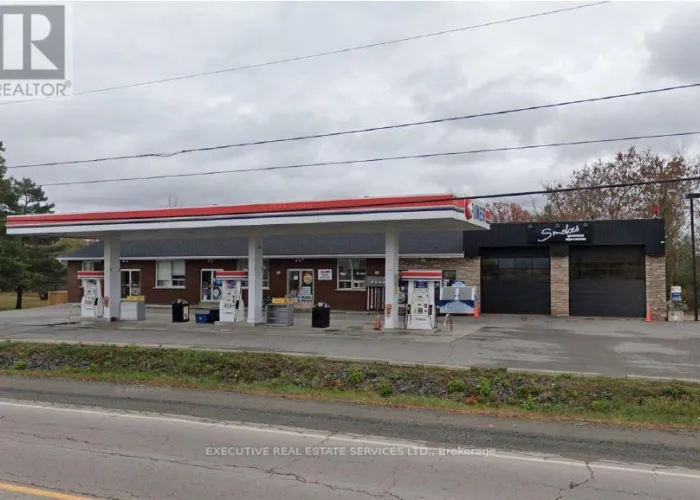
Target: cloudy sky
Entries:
(608, 49)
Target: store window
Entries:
(93, 265)
(449, 276)
(242, 265)
(170, 274)
(352, 274)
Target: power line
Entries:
(436, 198)
(317, 54)
(443, 197)
(375, 160)
(587, 188)
(518, 194)
(359, 131)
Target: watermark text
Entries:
(343, 451)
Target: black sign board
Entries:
(559, 232)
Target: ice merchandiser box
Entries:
(457, 298)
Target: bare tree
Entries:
(504, 211)
(632, 202)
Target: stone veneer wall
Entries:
(468, 270)
(656, 286)
(559, 283)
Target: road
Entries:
(257, 448)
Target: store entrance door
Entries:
(300, 286)
(210, 290)
(131, 282)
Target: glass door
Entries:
(300, 286)
(210, 287)
(131, 282)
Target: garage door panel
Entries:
(607, 281)
(607, 298)
(515, 281)
(525, 297)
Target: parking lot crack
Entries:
(450, 348)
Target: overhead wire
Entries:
(387, 127)
(357, 131)
(314, 55)
(374, 160)
(426, 199)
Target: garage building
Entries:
(585, 268)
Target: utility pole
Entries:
(692, 197)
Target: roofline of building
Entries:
(292, 257)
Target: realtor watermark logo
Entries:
(33, 51)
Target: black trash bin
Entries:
(181, 311)
(214, 316)
(321, 315)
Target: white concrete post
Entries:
(391, 274)
(113, 277)
(255, 279)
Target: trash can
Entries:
(181, 311)
(321, 315)
(214, 316)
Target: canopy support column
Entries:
(113, 278)
(391, 285)
(255, 279)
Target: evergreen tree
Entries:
(40, 253)
(12, 266)
(26, 263)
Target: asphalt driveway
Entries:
(609, 347)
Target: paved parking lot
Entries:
(610, 347)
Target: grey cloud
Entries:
(579, 54)
(674, 49)
(510, 92)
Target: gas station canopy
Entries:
(406, 213)
(390, 215)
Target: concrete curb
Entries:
(536, 371)
(257, 351)
(662, 379)
(353, 359)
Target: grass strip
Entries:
(632, 402)
(9, 299)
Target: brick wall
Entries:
(324, 291)
(559, 283)
(656, 286)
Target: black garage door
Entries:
(607, 281)
(515, 280)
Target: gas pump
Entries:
(231, 306)
(421, 310)
(92, 303)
